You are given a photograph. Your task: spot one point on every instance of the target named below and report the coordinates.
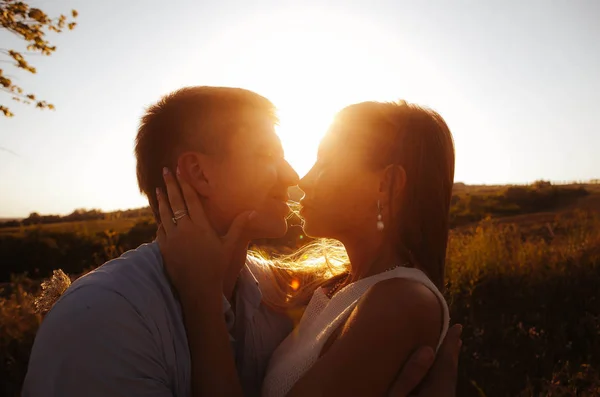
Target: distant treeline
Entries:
(469, 204)
(37, 251)
(467, 207)
(78, 215)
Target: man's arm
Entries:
(94, 343)
(436, 381)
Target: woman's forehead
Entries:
(341, 143)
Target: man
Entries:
(119, 330)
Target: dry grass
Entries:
(530, 307)
(524, 287)
(82, 227)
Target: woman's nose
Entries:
(288, 175)
(304, 183)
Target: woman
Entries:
(382, 187)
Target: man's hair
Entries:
(192, 118)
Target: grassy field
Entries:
(84, 227)
(524, 285)
(120, 224)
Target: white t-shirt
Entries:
(118, 331)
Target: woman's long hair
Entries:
(407, 135)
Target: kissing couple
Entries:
(195, 313)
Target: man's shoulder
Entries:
(118, 328)
(137, 276)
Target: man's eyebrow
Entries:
(277, 146)
(272, 144)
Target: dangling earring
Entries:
(380, 224)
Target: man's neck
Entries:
(238, 260)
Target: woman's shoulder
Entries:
(397, 311)
(400, 292)
(397, 300)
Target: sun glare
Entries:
(310, 74)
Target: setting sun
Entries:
(310, 75)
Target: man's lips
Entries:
(280, 202)
(281, 196)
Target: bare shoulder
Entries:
(397, 302)
(399, 294)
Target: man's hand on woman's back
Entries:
(438, 380)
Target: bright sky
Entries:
(517, 82)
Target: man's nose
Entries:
(304, 183)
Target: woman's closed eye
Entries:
(270, 154)
(265, 154)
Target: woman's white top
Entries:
(301, 349)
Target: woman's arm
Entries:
(196, 259)
(391, 320)
(213, 364)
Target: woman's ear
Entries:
(393, 180)
(195, 168)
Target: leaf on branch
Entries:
(44, 105)
(30, 24)
(38, 15)
(21, 62)
(6, 111)
(61, 21)
(4, 82)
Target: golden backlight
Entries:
(313, 64)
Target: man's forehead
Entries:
(258, 131)
(253, 131)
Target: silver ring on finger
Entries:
(177, 215)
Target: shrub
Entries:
(528, 302)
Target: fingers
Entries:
(161, 237)
(175, 198)
(165, 213)
(413, 373)
(238, 225)
(441, 380)
(192, 201)
(450, 348)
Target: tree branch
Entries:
(9, 151)
(32, 25)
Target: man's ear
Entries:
(393, 179)
(196, 169)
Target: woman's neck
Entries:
(369, 257)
